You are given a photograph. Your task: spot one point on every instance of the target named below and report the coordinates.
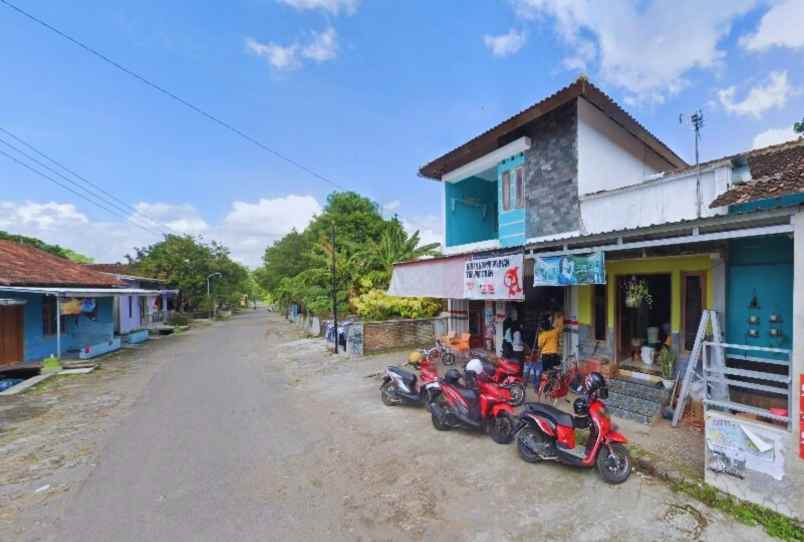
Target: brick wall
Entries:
(394, 334)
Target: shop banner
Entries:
(498, 278)
(569, 270)
(73, 306)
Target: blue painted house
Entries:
(52, 306)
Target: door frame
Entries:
(704, 286)
(19, 310)
(618, 307)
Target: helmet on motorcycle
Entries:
(581, 407)
(414, 358)
(594, 383)
(475, 366)
(453, 376)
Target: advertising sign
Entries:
(500, 278)
(569, 270)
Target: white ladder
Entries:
(719, 391)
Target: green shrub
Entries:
(178, 319)
(376, 305)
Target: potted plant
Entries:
(636, 293)
(667, 362)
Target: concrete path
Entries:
(250, 433)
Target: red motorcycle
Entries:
(545, 433)
(477, 404)
(506, 373)
(556, 383)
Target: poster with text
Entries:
(569, 270)
(501, 277)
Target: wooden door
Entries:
(10, 334)
(693, 296)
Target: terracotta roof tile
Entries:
(24, 265)
(776, 171)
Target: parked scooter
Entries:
(506, 372)
(545, 433)
(402, 387)
(477, 403)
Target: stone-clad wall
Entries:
(551, 174)
(393, 334)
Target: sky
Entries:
(363, 92)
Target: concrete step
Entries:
(634, 404)
(636, 388)
(628, 415)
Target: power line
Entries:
(110, 198)
(173, 96)
(80, 195)
(98, 200)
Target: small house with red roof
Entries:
(53, 306)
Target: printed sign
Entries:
(569, 270)
(494, 278)
(735, 446)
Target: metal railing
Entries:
(762, 381)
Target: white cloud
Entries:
(645, 47)
(392, 206)
(760, 98)
(428, 226)
(332, 6)
(781, 26)
(774, 136)
(323, 46)
(320, 47)
(247, 229)
(279, 56)
(505, 44)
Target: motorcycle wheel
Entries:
(526, 435)
(614, 466)
(517, 394)
(387, 395)
(501, 428)
(438, 421)
(448, 359)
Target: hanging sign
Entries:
(499, 278)
(569, 270)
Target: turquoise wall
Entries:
(77, 331)
(512, 222)
(761, 266)
(468, 223)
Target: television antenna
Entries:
(697, 120)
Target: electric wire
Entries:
(126, 207)
(173, 96)
(119, 210)
(80, 195)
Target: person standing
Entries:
(549, 341)
(517, 344)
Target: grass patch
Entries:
(775, 524)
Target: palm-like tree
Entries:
(394, 246)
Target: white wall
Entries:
(669, 199)
(608, 156)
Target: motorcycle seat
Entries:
(469, 394)
(552, 413)
(407, 377)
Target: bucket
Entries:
(647, 355)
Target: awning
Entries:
(82, 292)
(440, 278)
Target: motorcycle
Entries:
(506, 372)
(545, 433)
(556, 383)
(400, 386)
(477, 404)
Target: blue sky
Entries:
(362, 91)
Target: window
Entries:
(48, 315)
(520, 187)
(601, 309)
(506, 191)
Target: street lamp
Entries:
(209, 296)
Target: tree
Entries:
(287, 257)
(798, 127)
(56, 250)
(185, 263)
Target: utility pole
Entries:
(209, 296)
(334, 287)
(697, 120)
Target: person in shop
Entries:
(510, 325)
(548, 343)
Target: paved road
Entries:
(247, 433)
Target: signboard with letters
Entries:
(497, 278)
(569, 270)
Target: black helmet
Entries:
(581, 407)
(593, 383)
(453, 376)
